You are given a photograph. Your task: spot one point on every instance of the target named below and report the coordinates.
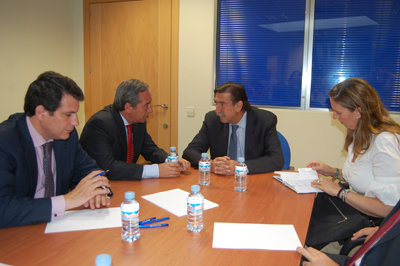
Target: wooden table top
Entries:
(266, 201)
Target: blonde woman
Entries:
(372, 166)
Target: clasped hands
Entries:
(90, 192)
(223, 166)
(173, 169)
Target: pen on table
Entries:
(152, 225)
(147, 220)
(154, 221)
(110, 194)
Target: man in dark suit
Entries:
(105, 137)
(37, 186)
(384, 252)
(254, 135)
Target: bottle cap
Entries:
(129, 195)
(173, 149)
(103, 260)
(195, 189)
(241, 160)
(204, 155)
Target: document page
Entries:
(175, 201)
(86, 220)
(255, 236)
(299, 181)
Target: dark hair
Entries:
(356, 93)
(48, 90)
(237, 91)
(128, 92)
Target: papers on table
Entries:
(255, 236)
(174, 201)
(86, 220)
(299, 181)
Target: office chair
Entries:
(285, 150)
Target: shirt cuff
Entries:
(150, 171)
(57, 207)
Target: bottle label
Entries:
(172, 158)
(204, 166)
(130, 214)
(195, 204)
(195, 207)
(241, 170)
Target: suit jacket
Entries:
(386, 250)
(104, 139)
(262, 147)
(18, 173)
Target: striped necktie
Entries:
(232, 151)
(48, 174)
(129, 153)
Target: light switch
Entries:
(190, 111)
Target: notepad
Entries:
(298, 181)
(175, 201)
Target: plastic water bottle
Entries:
(172, 155)
(130, 218)
(241, 175)
(204, 170)
(103, 260)
(195, 206)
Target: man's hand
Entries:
(315, 257)
(367, 231)
(89, 192)
(183, 164)
(223, 166)
(169, 170)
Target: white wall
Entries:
(311, 134)
(37, 36)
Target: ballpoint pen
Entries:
(150, 221)
(147, 220)
(110, 194)
(153, 225)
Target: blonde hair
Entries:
(355, 93)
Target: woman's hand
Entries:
(322, 168)
(326, 185)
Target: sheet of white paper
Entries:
(86, 220)
(255, 236)
(174, 201)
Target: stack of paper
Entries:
(299, 181)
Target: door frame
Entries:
(174, 59)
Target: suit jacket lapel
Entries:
(120, 130)
(250, 128)
(225, 137)
(30, 154)
(61, 155)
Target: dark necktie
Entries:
(232, 151)
(129, 151)
(375, 237)
(48, 174)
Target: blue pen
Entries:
(155, 221)
(153, 225)
(110, 194)
(147, 220)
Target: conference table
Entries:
(266, 201)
